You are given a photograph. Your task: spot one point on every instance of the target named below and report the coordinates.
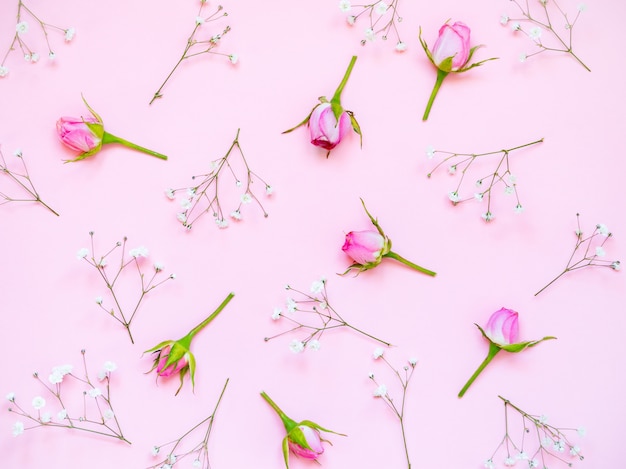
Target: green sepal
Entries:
(513, 348)
(286, 451)
(355, 126)
(337, 109)
(307, 118)
(192, 369)
(374, 221)
(160, 346)
(425, 47)
(308, 423)
(296, 435)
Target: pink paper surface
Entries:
(290, 53)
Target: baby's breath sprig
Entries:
(562, 42)
(199, 450)
(21, 32)
(22, 179)
(590, 256)
(484, 184)
(203, 198)
(551, 443)
(382, 20)
(382, 392)
(197, 46)
(111, 279)
(96, 414)
(316, 307)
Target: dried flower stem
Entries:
(110, 427)
(206, 46)
(379, 24)
(23, 180)
(202, 448)
(587, 258)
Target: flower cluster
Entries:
(381, 392)
(318, 317)
(591, 251)
(22, 179)
(198, 44)
(484, 184)
(95, 414)
(111, 278)
(199, 451)
(203, 198)
(552, 443)
(22, 40)
(381, 20)
(534, 26)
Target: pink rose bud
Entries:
(311, 436)
(76, 134)
(503, 327)
(364, 247)
(165, 370)
(326, 132)
(452, 42)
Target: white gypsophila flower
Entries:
(51, 55)
(269, 190)
(62, 414)
(543, 419)
(314, 345)
(181, 217)
(369, 34)
(582, 7)
(155, 450)
(4, 71)
(401, 46)
(292, 306)
(318, 286)
(559, 446)
(533, 463)
(370, 375)
(512, 178)
(600, 252)
(324, 305)
(165, 466)
(616, 265)
(69, 34)
(574, 450)
(233, 58)
(430, 152)
(221, 223)
(140, 251)
(46, 417)
(413, 361)
(169, 193)
(345, 6)
(246, 198)
(504, 19)
(199, 20)
(351, 19)
(34, 57)
(172, 459)
(380, 391)
(277, 313)
(381, 8)
(172, 276)
(109, 366)
(378, 352)
(509, 462)
(18, 428)
(159, 266)
(94, 392)
(489, 464)
(196, 463)
(516, 26)
(185, 203)
(478, 196)
(452, 169)
(18, 153)
(523, 57)
(602, 229)
(99, 300)
(519, 208)
(582, 431)
(296, 346)
(39, 402)
(191, 192)
(21, 27)
(82, 253)
(102, 262)
(235, 215)
(535, 33)
(522, 456)
(454, 196)
(508, 190)
(27, 57)
(108, 414)
(10, 397)
(487, 216)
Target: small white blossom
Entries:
(318, 286)
(196, 463)
(46, 417)
(21, 27)
(543, 418)
(452, 169)
(478, 196)
(522, 456)
(4, 71)
(504, 19)
(108, 414)
(69, 34)
(369, 34)
(582, 7)
(489, 464)
(508, 190)
(155, 450)
(519, 208)
(296, 346)
(276, 314)
(533, 463)
(370, 375)
(221, 223)
(172, 458)
(292, 306)
(378, 352)
(199, 20)
(99, 300)
(381, 8)
(546, 442)
(600, 252)
(314, 345)
(158, 266)
(488, 216)
(10, 397)
(512, 179)
(234, 58)
(39, 402)
(454, 196)
(62, 414)
(82, 253)
(401, 46)
(140, 251)
(181, 217)
(535, 33)
(269, 190)
(27, 57)
(34, 57)
(109, 366)
(574, 450)
(18, 428)
(515, 26)
(58, 372)
(94, 392)
(413, 361)
(380, 391)
(51, 55)
(169, 193)
(102, 262)
(185, 203)
(345, 6)
(246, 198)
(603, 229)
(509, 462)
(235, 215)
(616, 265)
(430, 152)
(351, 19)
(559, 446)
(523, 57)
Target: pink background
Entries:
(291, 53)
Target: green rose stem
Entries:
(441, 75)
(110, 138)
(398, 257)
(493, 351)
(289, 423)
(186, 341)
(335, 102)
